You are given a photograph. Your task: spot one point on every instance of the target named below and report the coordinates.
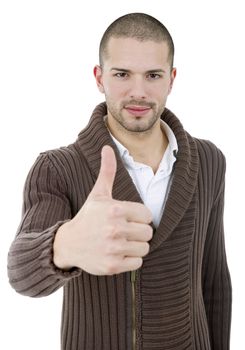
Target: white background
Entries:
(47, 89)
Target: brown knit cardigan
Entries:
(182, 292)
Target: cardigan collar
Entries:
(95, 135)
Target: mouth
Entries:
(137, 110)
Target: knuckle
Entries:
(110, 249)
(113, 231)
(111, 268)
(115, 210)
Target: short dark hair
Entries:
(140, 26)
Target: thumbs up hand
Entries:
(105, 180)
(106, 236)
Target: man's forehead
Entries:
(127, 52)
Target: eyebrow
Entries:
(149, 71)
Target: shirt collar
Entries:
(173, 146)
(171, 137)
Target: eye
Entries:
(120, 75)
(154, 76)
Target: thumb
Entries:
(105, 180)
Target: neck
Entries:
(145, 147)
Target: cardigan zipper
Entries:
(133, 279)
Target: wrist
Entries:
(60, 256)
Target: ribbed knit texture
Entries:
(183, 290)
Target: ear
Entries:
(172, 77)
(98, 78)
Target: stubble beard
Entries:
(138, 125)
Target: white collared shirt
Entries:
(153, 188)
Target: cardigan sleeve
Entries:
(31, 269)
(216, 278)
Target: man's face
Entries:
(136, 79)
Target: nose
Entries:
(137, 89)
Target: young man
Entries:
(129, 218)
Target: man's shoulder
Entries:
(208, 151)
(212, 165)
(64, 157)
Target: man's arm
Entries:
(105, 237)
(45, 208)
(216, 278)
